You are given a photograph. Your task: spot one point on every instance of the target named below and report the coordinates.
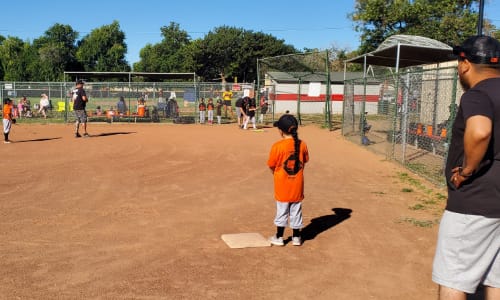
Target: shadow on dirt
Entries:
(37, 140)
(323, 223)
(111, 133)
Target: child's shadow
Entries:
(323, 223)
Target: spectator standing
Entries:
(468, 245)
(20, 108)
(227, 96)
(239, 112)
(80, 100)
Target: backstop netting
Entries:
(172, 101)
(298, 83)
(410, 121)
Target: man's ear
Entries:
(465, 66)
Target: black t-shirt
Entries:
(480, 194)
(77, 97)
(239, 102)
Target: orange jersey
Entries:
(7, 111)
(287, 188)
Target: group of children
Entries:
(208, 109)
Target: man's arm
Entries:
(477, 137)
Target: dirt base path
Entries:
(137, 211)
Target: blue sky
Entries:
(303, 24)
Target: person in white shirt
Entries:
(44, 105)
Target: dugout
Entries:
(158, 90)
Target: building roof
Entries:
(413, 51)
(294, 77)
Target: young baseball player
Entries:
(202, 107)
(286, 161)
(7, 119)
(210, 111)
(218, 108)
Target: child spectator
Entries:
(286, 161)
(202, 107)
(210, 111)
(218, 107)
(20, 108)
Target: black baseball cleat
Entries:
(77, 135)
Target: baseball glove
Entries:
(14, 121)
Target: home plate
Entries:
(245, 240)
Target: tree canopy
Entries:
(104, 50)
(225, 51)
(448, 21)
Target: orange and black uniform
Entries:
(7, 120)
(287, 188)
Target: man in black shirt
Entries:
(468, 246)
(80, 100)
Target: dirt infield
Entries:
(137, 211)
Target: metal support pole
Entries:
(480, 18)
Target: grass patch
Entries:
(420, 223)
(407, 190)
(417, 206)
(378, 193)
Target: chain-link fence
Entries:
(413, 117)
(141, 101)
(299, 84)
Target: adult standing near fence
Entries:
(227, 96)
(468, 246)
(79, 102)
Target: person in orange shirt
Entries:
(7, 119)
(286, 161)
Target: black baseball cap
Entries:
(479, 49)
(80, 81)
(286, 123)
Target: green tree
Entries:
(2, 38)
(16, 57)
(104, 50)
(232, 53)
(57, 52)
(449, 21)
(168, 55)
